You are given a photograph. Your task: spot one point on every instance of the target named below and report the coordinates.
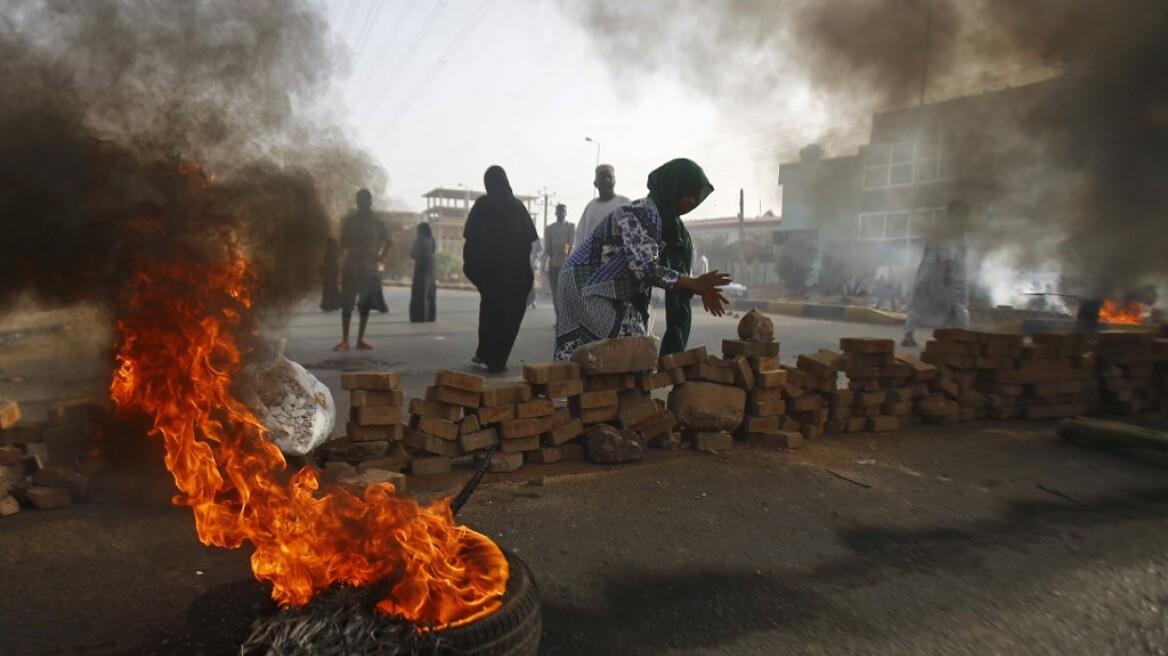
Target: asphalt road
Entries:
(983, 538)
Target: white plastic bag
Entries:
(295, 407)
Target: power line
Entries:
(388, 41)
(432, 74)
(370, 20)
(428, 25)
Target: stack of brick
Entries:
(48, 465)
(811, 389)
(695, 375)
(625, 399)
(1126, 364)
(558, 383)
(371, 449)
(882, 386)
(766, 421)
(1048, 377)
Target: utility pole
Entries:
(545, 204)
(741, 233)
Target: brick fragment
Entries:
(544, 455)
(617, 355)
(47, 498)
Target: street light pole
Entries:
(591, 140)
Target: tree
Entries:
(795, 260)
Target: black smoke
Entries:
(143, 129)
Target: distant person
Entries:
(940, 294)
(701, 264)
(497, 259)
(601, 206)
(424, 289)
(557, 245)
(330, 273)
(606, 282)
(364, 246)
(536, 271)
(886, 287)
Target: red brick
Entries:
(743, 376)
(771, 378)
(765, 363)
(430, 443)
(365, 398)
(500, 394)
(480, 440)
(469, 424)
(761, 424)
(369, 380)
(597, 415)
(609, 382)
(766, 408)
(453, 395)
(867, 345)
(823, 364)
(650, 382)
(359, 433)
(438, 410)
(805, 403)
(766, 394)
(534, 408)
(517, 428)
(883, 424)
(550, 372)
(589, 400)
(379, 415)
(871, 399)
(562, 389)
(518, 444)
(496, 414)
(735, 347)
(710, 371)
(681, 360)
(557, 435)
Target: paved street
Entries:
(982, 538)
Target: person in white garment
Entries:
(601, 206)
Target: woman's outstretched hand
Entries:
(708, 286)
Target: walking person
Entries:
(364, 246)
(598, 208)
(424, 288)
(558, 239)
(940, 294)
(606, 281)
(497, 260)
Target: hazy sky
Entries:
(438, 90)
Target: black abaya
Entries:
(424, 290)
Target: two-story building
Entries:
(446, 212)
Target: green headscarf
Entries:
(667, 184)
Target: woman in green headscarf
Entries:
(605, 283)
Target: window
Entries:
(886, 225)
(907, 162)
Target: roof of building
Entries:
(463, 194)
(725, 223)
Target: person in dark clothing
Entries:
(424, 290)
(497, 260)
(330, 272)
(365, 246)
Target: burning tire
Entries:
(343, 622)
(513, 630)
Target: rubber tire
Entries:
(513, 630)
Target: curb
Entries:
(847, 313)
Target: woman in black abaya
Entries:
(496, 258)
(424, 290)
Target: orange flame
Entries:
(1129, 312)
(176, 362)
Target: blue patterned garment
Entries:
(605, 283)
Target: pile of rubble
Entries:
(48, 464)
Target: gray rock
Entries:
(619, 355)
(756, 327)
(702, 406)
(609, 444)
